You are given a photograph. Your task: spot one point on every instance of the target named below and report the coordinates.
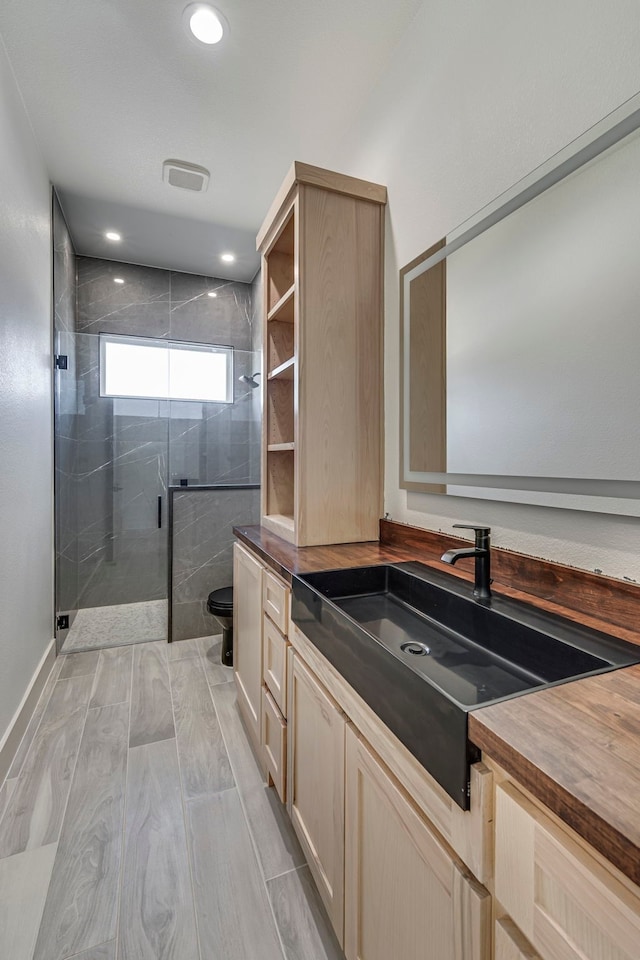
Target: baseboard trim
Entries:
(18, 725)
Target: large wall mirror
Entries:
(521, 338)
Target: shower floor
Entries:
(95, 628)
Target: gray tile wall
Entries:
(203, 522)
(126, 450)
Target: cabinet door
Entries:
(274, 663)
(274, 737)
(565, 902)
(316, 784)
(247, 637)
(406, 895)
(275, 598)
(510, 944)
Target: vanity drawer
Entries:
(274, 663)
(274, 736)
(565, 901)
(275, 601)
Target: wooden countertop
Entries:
(286, 559)
(576, 747)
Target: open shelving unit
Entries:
(322, 266)
(280, 359)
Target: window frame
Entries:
(225, 349)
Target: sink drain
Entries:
(417, 649)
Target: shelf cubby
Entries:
(280, 484)
(279, 411)
(283, 311)
(280, 343)
(280, 263)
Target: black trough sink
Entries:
(422, 653)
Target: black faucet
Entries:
(481, 552)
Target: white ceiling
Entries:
(115, 87)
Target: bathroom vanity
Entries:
(402, 868)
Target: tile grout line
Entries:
(95, 947)
(95, 679)
(285, 873)
(124, 813)
(184, 810)
(252, 839)
(76, 676)
(64, 815)
(206, 796)
(148, 743)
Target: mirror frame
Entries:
(423, 370)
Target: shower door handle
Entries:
(159, 511)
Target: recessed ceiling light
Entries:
(204, 23)
(113, 236)
(228, 257)
(212, 294)
(118, 280)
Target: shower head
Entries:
(251, 381)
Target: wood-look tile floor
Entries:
(135, 824)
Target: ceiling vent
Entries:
(189, 176)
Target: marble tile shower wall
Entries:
(64, 341)
(127, 450)
(203, 522)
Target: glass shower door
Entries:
(111, 468)
(138, 554)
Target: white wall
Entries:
(26, 508)
(478, 95)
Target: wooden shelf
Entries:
(283, 309)
(279, 520)
(284, 371)
(280, 447)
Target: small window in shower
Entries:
(145, 368)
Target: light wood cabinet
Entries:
(469, 833)
(406, 894)
(510, 944)
(391, 884)
(322, 262)
(274, 739)
(247, 638)
(316, 784)
(275, 618)
(275, 599)
(274, 663)
(566, 902)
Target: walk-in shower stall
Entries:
(152, 405)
